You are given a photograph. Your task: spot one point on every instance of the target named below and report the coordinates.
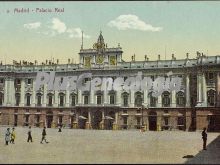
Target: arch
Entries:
(152, 118)
(109, 120)
(82, 121)
(97, 118)
(49, 118)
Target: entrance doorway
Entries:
(49, 118)
(214, 123)
(152, 121)
(97, 118)
(82, 120)
(109, 120)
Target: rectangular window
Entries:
(29, 81)
(112, 99)
(138, 111)
(138, 120)
(166, 120)
(39, 100)
(125, 101)
(50, 100)
(61, 100)
(125, 111)
(86, 99)
(125, 120)
(99, 99)
(73, 100)
(1, 81)
(28, 100)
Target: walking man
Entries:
(44, 136)
(204, 138)
(7, 136)
(29, 135)
(12, 136)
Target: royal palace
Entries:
(193, 105)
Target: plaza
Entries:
(108, 146)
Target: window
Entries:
(138, 120)
(180, 120)
(138, 99)
(211, 76)
(28, 99)
(125, 100)
(211, 97)
(39, 99)
(50, 99)
(73, 100)
(138, 111)
(1, 80)
(29, 81)
(99, 99)
(166, 121)
(17, 99)
(112, 99)
(180, 99)
(166, 99)
(1, 98)
(18, 81)
(60, 119)
(152, 101)
(86, 99)
(125, 120)
(61, 100)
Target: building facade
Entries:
(195, 105)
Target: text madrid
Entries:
(137, 83)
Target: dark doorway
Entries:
(82, 120)
(49, 119)
(152, 121)
(15, 120)
(97, 118)
(214, 123)
(109, 120)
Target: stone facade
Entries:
(194, 106)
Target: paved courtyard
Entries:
(104, 146)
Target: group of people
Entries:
(10, 136)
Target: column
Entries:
(187, 92)
(218, 90)
(67, 104)
(159, 101)
(10, 92)
(91, 96)
(131, 98)
(118, 97)
(79, 97)
(5, 92)
(103, 118)
(45, 96)
(115, 124)
(105, 96)
(199, 90)
(56, 99)
(173, 99)
(145, 98)
(22, 92)
(88, 123)
(33, 94)
(204, 91)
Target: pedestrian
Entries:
(29, 135)
(7, 136)
(204, 138)
(12, 136)
(60, 128)
(44, 136)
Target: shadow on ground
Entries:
(209, 156)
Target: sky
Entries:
(141, 27)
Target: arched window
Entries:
(99, 99)
(112, 99)
(61, 99)
(50, 99)
(86, 99)
(39, 99)
(28, 99)
(138, 99)
(125, 99)
(153, 100)
(211, 97)
(17, 99)
(180, 99)
(73, 98)
(166, 99)
(1, 98)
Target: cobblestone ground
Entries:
(102, 146)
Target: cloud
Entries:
(76, 33)
(124, 22)
(55, 27)
(34, 25)
(58, 25)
